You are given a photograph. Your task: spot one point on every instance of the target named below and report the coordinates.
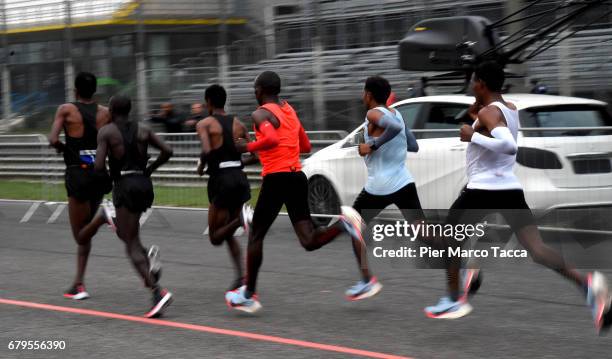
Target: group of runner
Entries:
(94, 133)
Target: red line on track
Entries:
(202, 328)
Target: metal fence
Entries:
(28, 158)
(558, 167)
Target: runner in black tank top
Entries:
(80, 121)
(125, 143)
(228, 187)
(225, 169)
(133, 189)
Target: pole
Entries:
(269, 30)
(141, 67)
(518, 85)
(68, 65)
(317, 67)
(222, 53)
(563, 59)
(6, 73)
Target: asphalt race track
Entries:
(521, 311)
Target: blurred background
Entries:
(164, 53)
(169, 51)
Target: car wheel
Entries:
(322, 199)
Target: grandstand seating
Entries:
(344, 70)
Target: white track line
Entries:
(146, 216)
(58, 211)
(30, 212)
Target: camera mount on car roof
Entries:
(457, 44)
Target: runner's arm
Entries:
(248, 158)
(391, 128)
(305, 146)
(269, 139)
(56, 129)
(502, 140)
(413, 145)
(202, 130)
(102, 150)
(165, 152)
(102, 117)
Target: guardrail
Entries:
(29, 157)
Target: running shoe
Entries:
(161, 300)
(447, 309)
(598, 299)
(235, 299)
(246, 218)
(363, 289)
(471, 279)
(155, 266)
(109, 213)
(353, 223)
(76, 292)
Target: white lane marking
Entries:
(56, 213)
(146, 216)
(205, 233)
(30, 212)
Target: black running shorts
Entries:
(406, 199)
(134, 192)
(85, 184)
(474, 204)
(288, 188)
(229, 188)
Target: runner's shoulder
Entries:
(239, 127)
(103, 110)
(206, 121)
(490, 114)
(261, 115)
(108, 128)
(103, 115)
(67, 108)
(374, 114)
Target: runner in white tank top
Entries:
(490, 170)
(493, 188)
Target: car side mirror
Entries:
(355, 140)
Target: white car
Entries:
(560, 169)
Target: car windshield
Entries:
(566, 116)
